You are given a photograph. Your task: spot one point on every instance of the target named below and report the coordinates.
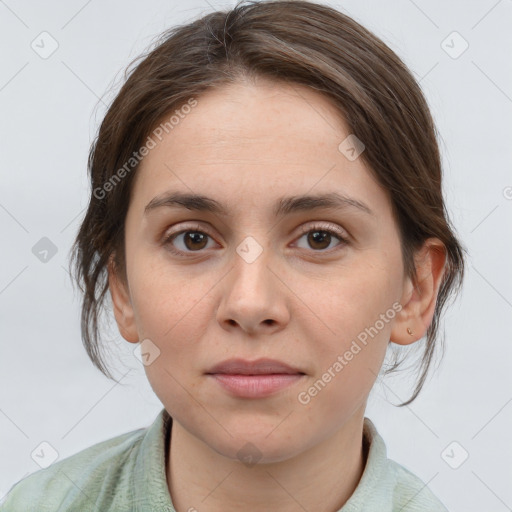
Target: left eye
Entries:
(320, 237)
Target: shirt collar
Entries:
(149, 484)
(151, 492)
(374, 493)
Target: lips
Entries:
(258, 367)
(254, 379)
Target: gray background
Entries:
(50, 109)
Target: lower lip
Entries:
(255, 386)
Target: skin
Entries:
(246, 145)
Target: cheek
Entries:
(167, 300)
(174, 315)
(351, 328)
(354, 300)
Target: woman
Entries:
(266, 212)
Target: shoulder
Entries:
(78, 479)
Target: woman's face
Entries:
(245, 282)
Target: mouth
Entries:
(258, 367)
(254, 379)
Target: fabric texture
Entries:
(127, 474)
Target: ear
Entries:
(418, 302)
(123, 310)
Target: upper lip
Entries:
(257, 367)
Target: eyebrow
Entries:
(283, 206)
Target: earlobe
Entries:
(123, 310)
(419, 299)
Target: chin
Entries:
(256, 447)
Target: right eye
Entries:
(188, 241)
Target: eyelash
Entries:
(304, 230)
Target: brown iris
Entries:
(319, 237)
(194, 240)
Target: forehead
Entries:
(248, 115)
(254, 139)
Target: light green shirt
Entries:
(127, 474)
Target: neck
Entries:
(321, 478)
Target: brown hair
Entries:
(293, 41)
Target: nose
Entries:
(254, 297)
